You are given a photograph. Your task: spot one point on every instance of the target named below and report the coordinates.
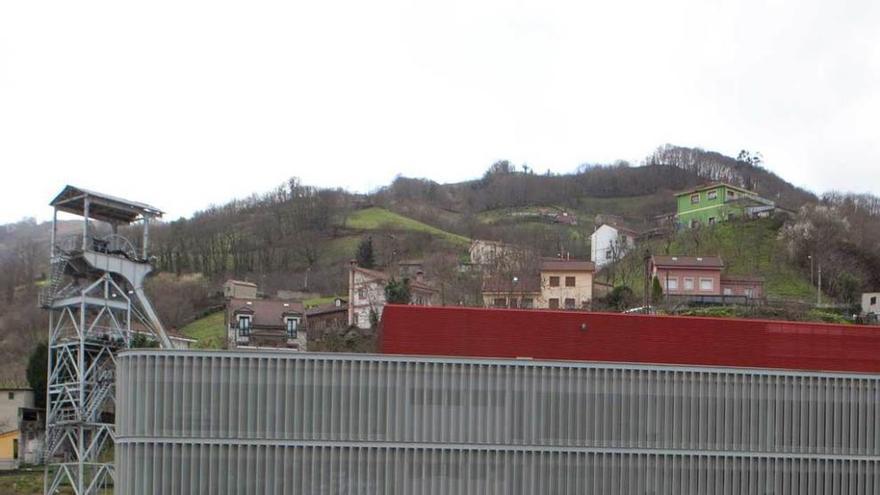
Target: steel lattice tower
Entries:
(97, 306)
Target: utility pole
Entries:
(647, 281)
(819, 290)
(811, 269)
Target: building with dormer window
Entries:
(265, 323)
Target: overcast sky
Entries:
(182, 103)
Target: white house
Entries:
(609, 243)
(871, 303)
(366, 294)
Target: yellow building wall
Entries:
(582, 291)
(6, 444)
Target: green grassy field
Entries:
(24, 482)
(379, 218)
(209, 331)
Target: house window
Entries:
(711, 220)
(672, 283)
(569, 303)
(500, 302)
(361, 293)
(728, 291)
(554, 281)
(291, 324)
(713, 194)
(688, 283)
(707, 284)
(244, 325)
(695, 199)
(569, 281)
(554, 303)
(11, 395)
(527, 302)
(873, 300)
(608, 254)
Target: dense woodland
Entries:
(301, 237)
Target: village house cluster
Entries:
(514, 277)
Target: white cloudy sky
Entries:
(186, 103)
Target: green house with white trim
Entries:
(719, 202)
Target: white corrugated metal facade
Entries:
(275, 422)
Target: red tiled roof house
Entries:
(688, 275)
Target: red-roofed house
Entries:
(701, 276)
(688, 275)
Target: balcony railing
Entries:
(113, 244)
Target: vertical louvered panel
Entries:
(231, 422)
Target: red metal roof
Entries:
(613, 337)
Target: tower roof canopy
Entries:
(102, 206)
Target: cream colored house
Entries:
(559, 284)
(567, 283)
(239, 289)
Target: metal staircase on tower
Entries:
(97, 304)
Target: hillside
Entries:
(747, 248)
(301, 237)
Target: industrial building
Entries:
(276, 422)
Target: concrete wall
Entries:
(239, 422)
(871, 303)
(9, 406)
